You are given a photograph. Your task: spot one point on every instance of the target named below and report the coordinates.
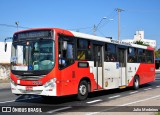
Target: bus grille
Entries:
(29, 77)
(31, 92)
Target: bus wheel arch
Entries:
(136, 82)
(84, 87)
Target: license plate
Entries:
(29, 88)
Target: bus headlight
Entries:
(50, 83)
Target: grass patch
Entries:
(157, 113)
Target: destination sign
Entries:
(120, 42)
(34, 34)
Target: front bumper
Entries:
(49, 90)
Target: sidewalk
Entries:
(5, 86)
(157, 70)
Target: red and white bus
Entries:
(58, 62)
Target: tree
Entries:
(141, 43)
(157, 53)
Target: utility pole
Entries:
(17, 23)
(94, 30)
(119, 10)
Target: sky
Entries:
(82, 15)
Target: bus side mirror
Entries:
(64, 46)
(5, 47)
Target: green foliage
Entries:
(141, 43)
(157, 113)
(157, 53)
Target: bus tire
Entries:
(82, 90)
(136, 83)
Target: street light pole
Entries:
(119, 10)
(96, 27)
(17, 23)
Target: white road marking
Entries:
(126, 104)
(7, 101)
(89, 102)
(114, 96)
(141, 100)
(93, 113)
(147, 89)
(19, 100)
(60, 109)
(158, 86)
(133, 92)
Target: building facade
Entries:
(5, 56)
(139, 36)
(5, 60)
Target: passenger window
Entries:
(83, 49)
(110, 53)
(149, 56)
(82, 44)
(141, 56)
(66, 55)
(132, 55)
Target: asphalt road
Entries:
(120, 100)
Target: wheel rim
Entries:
(136, 82)
(83, 90)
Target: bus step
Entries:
(122, 87)
(98, 89)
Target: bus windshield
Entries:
(32, 55)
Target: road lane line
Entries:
(133, 92)
(126, 104)
(19, 100)
(89, 102)
(114, 96)
(147, 89)
(93, 113)
(60, 109)
(8, 101)
(140, 100)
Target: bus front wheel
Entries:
(136, 82)
(82, 90)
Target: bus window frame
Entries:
(135, 53)
(87, 57)
(106, 52)
(62, 38)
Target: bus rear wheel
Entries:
(82, 90)
(136, 83)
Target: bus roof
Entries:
(91, 37)
(105, 39)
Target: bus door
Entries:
(98, 65)
(122, 54)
